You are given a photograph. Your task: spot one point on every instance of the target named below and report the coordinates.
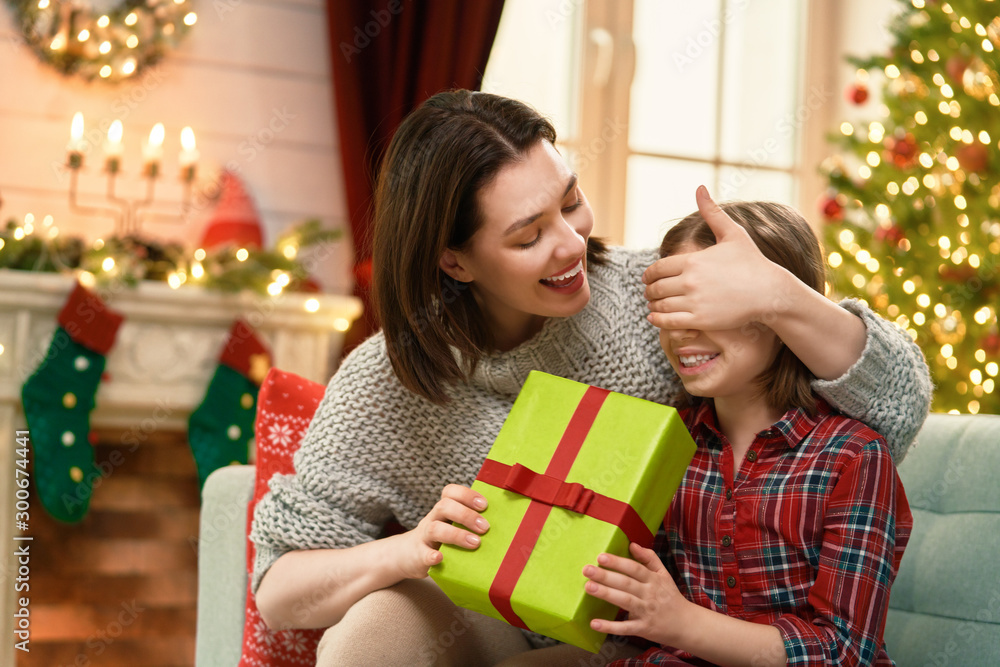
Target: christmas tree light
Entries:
(914, 201)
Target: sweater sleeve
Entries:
(888, 388)
(335, 499)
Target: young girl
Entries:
(484, 269)
(787, 531)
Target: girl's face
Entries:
(725, 364)
(528, 261)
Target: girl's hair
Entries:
(426, 201)
(785, 238)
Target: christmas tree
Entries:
(914, 201)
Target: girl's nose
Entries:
(682, 335)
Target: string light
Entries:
(311, 305)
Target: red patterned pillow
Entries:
(285, 406)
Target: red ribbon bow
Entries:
(547, 489)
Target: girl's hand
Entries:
(458, 503)
(720, 287)
(643, 588)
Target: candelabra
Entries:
(128, 214)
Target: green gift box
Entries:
(575, 471)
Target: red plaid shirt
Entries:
(807, 538)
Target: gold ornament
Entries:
(978, 81)
(993, 31)
(949, 330)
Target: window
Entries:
(653, 98)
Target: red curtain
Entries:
(388, 56)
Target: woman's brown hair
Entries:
(785, 238)
(426, 201)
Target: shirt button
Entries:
(729, 494)
(726, 541)
(731, 582)
(751, 456)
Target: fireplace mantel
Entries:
(159, 368)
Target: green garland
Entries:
(129, 259)
(115, 46)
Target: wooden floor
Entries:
(120, 588)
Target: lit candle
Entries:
(189, 155)
(152, 152)
(76, 144)
(113, 148)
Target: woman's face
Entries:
(528, 260)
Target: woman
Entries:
(484, 270)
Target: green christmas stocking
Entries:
(58, 399)
(221, 428)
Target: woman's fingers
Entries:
(663, 269)
(439, 532)
(448, 509)
(465, 495)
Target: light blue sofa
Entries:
(945, 605)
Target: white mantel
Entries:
(159, 368)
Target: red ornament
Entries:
(955, 68)
(956, 274)
(973, 157)
(857, 93)
(902, 151)
(235, 220)
(891, 235)
(832, 209)
(991, 343)
(363, 274)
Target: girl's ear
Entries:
(452, 264)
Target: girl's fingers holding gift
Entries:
(626, 566)
(611, 579)
(620, 628)
(646, 557)
(614, 596)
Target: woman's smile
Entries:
(567, 281)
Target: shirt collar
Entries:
(792, 428)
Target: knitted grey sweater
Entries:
(375, 450)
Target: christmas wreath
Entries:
(111, 46)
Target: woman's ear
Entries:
(451, 263)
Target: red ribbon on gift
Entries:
(550, 489)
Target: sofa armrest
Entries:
(222, 566)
